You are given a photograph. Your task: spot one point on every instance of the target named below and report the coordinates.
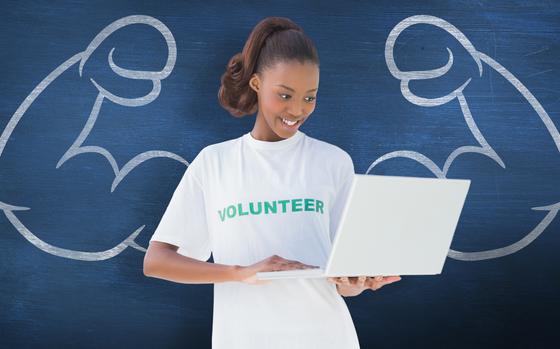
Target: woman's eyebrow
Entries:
(291, 89)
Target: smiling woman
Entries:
(285, 101)
(280, 82)
(218, 206)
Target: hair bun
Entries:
(235, 66)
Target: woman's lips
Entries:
(292, 127)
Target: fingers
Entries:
(340, 280)
(386, 279)
(272, 263)
(371, 282)
(361, 281)
(296, 265)
(355, 281)
(391, 279)
(380, 281)
(277, 263)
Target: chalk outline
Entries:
(76, 148)
(484, 148)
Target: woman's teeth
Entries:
(289, 123)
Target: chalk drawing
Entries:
(76, 148)
(484, 148)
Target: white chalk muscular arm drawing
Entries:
(77, 147)
(483, 148)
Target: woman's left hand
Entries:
(355, 285)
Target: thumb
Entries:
(390, 279)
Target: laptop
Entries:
(391, 225)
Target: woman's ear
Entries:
(254, 83)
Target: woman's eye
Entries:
(311, 99)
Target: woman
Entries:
(268, 200)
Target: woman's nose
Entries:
(296, 110)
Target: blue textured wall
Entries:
(80, 206)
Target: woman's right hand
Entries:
(248, 274)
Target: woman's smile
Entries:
(289, 124)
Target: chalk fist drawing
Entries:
(483, 148)
(155, 77)
(76, 148)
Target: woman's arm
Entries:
(162, 261)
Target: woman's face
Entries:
(286, 91)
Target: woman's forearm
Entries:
(170, 265)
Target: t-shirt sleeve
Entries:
(183, 223)
(345, 181)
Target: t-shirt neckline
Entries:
(282, 144)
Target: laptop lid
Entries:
(396, 225)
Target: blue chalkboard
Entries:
(103, 105)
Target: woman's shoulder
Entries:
(331, 150)
(220, 147)
(210, 156)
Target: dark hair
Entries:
(273, 40)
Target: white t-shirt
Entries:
(244, 200)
